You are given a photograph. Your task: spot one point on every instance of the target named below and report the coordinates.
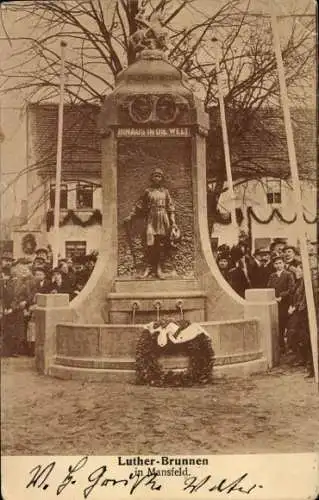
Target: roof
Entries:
(258, 143)
(81, 149)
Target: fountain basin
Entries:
(107, 352)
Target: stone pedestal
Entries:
(142, 301)
(261, 304)
(51, 310)
(132, 147)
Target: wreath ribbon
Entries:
(175, 333)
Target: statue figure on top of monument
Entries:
(150, 35)
(161, 231)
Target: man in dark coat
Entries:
(6, 262)
(58, 285)
(68, 277)
(223, 265)
(40, 284)
(21, 270)
(240, 274)
(42, 259)
(259, 274)
(7, 290)
(41, 281)
(14, 298)
(82, 273)
(277, 246)
(267, 264)
(298, 325)
(42, 253)
(291, 260)
(283, 282)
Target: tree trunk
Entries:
(132, 10)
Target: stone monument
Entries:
(155, 260)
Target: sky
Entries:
(194, 12)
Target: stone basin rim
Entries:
(141, 325)
(240, 357)
(155, 295)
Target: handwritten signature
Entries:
(42, 475)
(192, 484)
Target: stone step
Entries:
(91, 374)
(116, 363)
(154, 286)
(233, 370)
(127, 363)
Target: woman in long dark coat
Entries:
(16, 293)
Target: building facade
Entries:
(80, 195)
(264, 196)
(266, 210)
(265, 204)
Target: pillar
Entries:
(51, 310)
(261, 304)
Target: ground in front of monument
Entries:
(270, 412)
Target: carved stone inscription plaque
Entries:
(137, 158)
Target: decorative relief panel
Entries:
(137, 158)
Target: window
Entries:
(84, 195)
(273, 191)
(6, 246)
(261, 243)
(75, 249)
(63, 196)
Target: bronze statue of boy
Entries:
(157, 208)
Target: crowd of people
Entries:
(21, 280)
(278, 267)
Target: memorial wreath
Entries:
(174, 338)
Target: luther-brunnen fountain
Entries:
(155, 259)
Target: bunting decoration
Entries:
(276, 213)
(72, 217)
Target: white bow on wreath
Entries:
(171, 332)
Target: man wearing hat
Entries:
(223, 260)
(240, 273)
(42, 253)
(6, 299)
(7, 294)
(283, 282)
(40, 284)
(57, 283)
(267, 264)
(6, 261)
(15, 294)
(157, 207)
(90, 263)
(261, 272)
(41, 281)
(290, 255)
(68, 276)
(277, 245)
